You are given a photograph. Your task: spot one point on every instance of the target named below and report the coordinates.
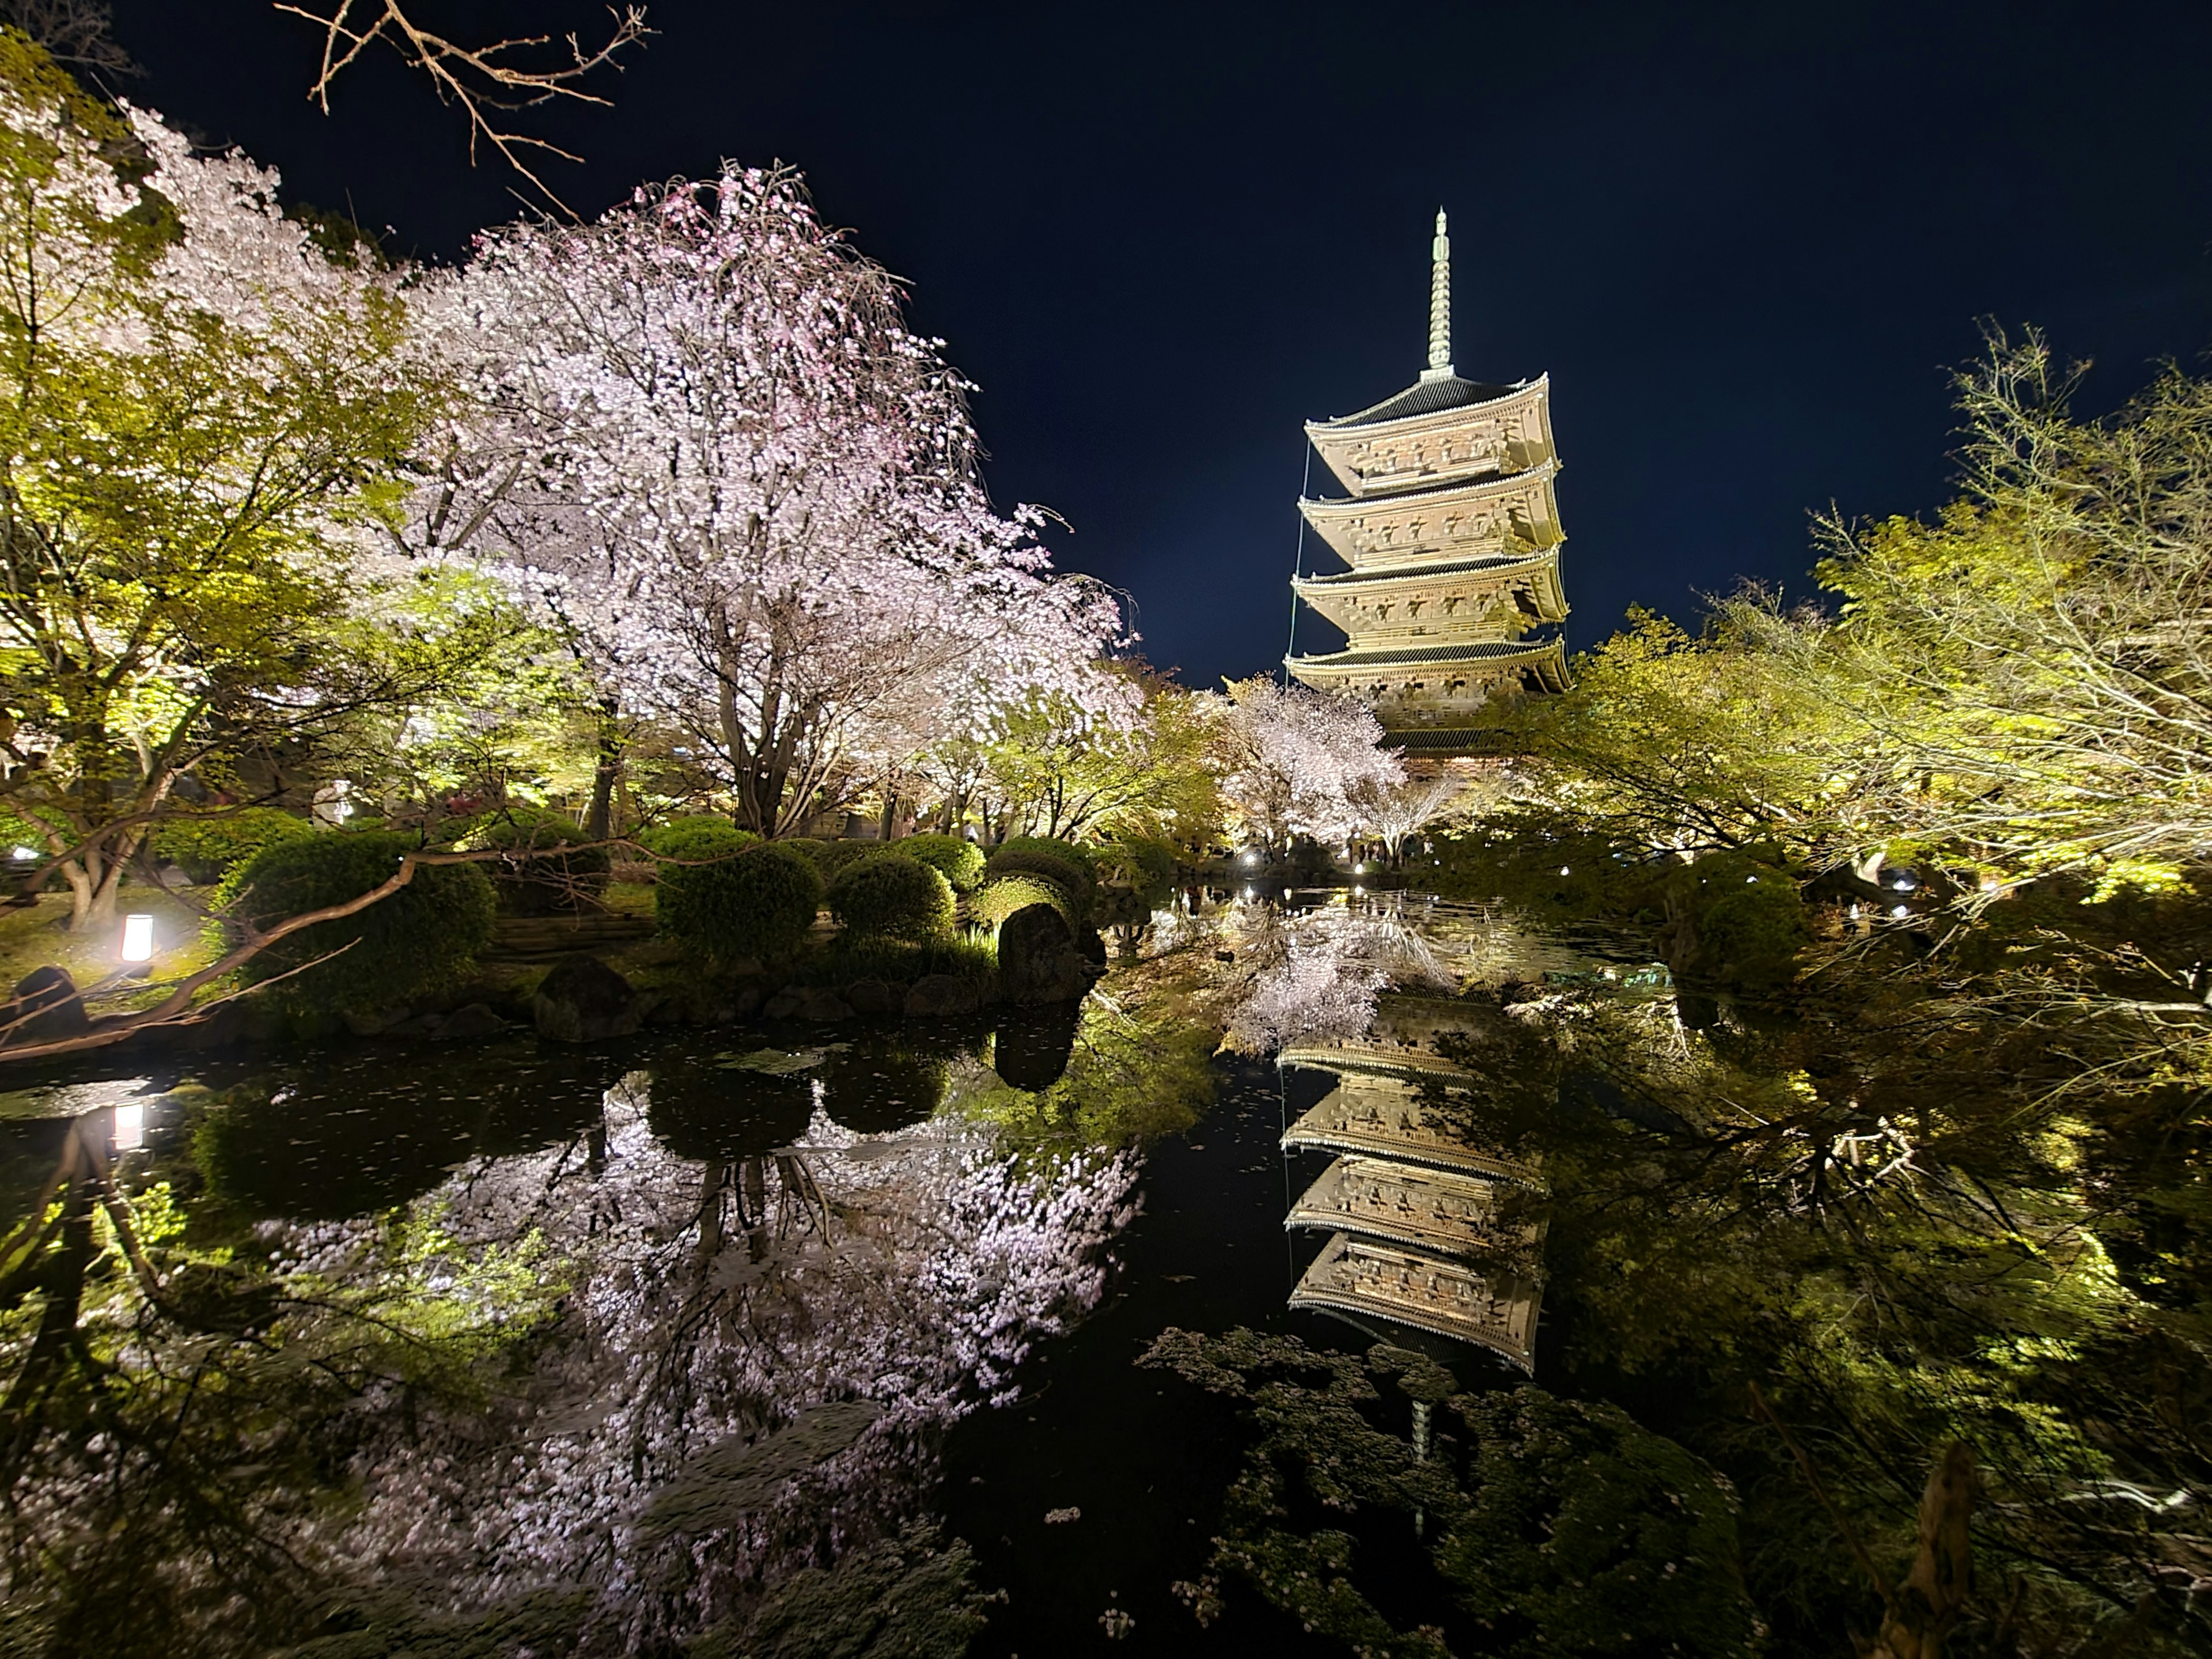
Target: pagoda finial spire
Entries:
(1440, 363)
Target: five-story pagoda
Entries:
(1453, 536)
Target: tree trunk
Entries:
(599, 823)
(1926, 1604)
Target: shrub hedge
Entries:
(422, 938)
(547, 883)
(1001, 896)
(699, 837)
(960, 862)
(1071, 878)
(207, 848)
(758, 902)
(889, 896)
(828, 857)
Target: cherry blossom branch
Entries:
(478, 79)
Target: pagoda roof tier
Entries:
(1369, 1124)
(1458, 601)
(1504, 515)
(1377, 575)
(1422, 1209)
(1513, 652)
(1441, 430)
(1443, 742)
(1448, 1298)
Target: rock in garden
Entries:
(476, 1020)
(44, 1006)
(784, 1005)
(373, 1021)
(1038, 961)
(421, 1029)
(817, 1002)
(583, 1001)
(940, 994)
(875, 996)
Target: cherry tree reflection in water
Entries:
(1314, 975)
(715, 1376)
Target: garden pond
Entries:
(913, 1338)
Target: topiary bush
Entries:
(537, 883)
(1071, 877)
(960, 862)
(828, 857)
(999, 896)
(700, 837)
(758, 902)
(423, 937)
(206, 848)
(1084, 858)
(889, 895)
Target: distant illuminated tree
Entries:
(1296, 761)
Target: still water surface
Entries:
(769, 1340)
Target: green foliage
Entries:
(889, 896)
(1563, 1529)
(1081, 855)
(537, 883)
(1140, 1069)
(960, 862)
(850, 960)
(1585, 1533)
(1549, 864)
(1144, 865)
(999, 896)
(828, 857)
(206, 847)
(1063, 866)
(702, 837)
(758, 902)
(422, 938)
(188, 479)
(1734, 919)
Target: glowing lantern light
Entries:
(1563, 870)
(23, 854)
(1901, 911)
(138, 938)
(130, 1127)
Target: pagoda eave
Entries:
(1343, 522)
(1489, 661)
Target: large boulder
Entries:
(584, 1000)
(44, 1007)
(1039, 962)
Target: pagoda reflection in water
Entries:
(1411, 1207)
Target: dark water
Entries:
(767, 1341)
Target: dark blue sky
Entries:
(1747, 242)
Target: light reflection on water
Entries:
(413, 1334)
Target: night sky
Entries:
(1747, 244)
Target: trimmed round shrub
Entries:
(539, 882)
(1084, 858)
(206, 848)
(828, 857)
(700, 837)
(891, 896)
(960, 862)
(1072, 879)
(423, 937)
(1146, 866)
(757, 903)
(999, 896)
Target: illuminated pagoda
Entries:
(1452, 535)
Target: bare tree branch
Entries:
(488, 82)
(73, 31)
